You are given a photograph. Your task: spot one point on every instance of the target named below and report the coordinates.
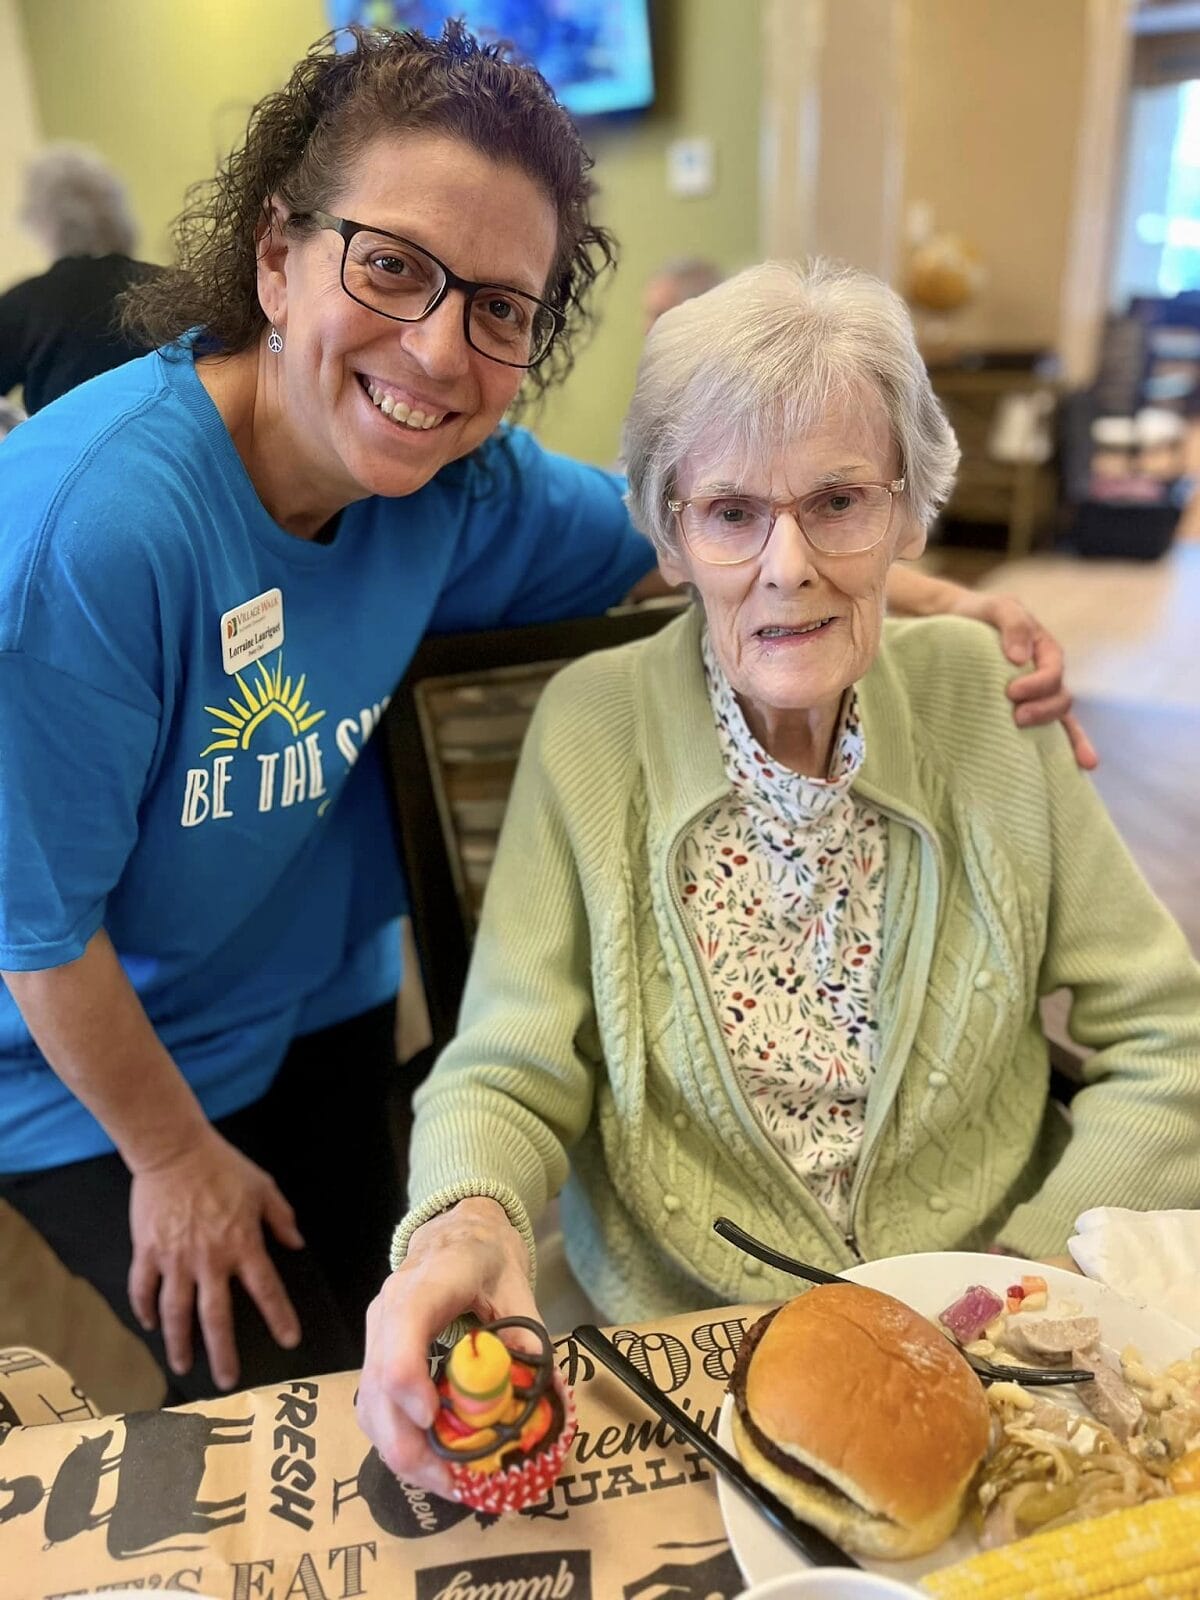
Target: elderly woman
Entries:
(779, 891)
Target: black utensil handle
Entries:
(811, 1542)
(754, 1247)
(1039, 1378)
(986, 1371)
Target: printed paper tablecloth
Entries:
(275, 1494)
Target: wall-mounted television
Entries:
(594, 53)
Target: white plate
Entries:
(929, 1283)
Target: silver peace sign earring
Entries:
(274, 340)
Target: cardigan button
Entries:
(671, 1202)
(983, 979)
(937, 1079)
(680, 1120)
(751, 1267)
(938, 1202)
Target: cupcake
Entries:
(506, 1419)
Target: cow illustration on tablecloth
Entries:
(159, 1467)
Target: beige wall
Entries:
(19, 137)
(1103, 124)
(992, 141)
(1000, 120)
(833, 129)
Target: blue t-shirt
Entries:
(186, 698)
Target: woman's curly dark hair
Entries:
(301, 143)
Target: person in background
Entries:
(676, 282)
(215, 565)
(61, 328)
(10, 415)
(799, 887)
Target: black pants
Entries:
(324, 1133)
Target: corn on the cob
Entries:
(1150, 1552)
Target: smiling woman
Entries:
(342, 340)
(215, 564)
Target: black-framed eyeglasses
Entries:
(402, 280)
(843, 519)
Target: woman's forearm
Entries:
(915, 594)
(88, 1022)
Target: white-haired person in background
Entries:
(10, 415)
(674, 282)
(778, 892)
(61, 328)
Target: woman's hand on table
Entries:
(468, 1259)
(197, 1221)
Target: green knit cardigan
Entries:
(590, 1054)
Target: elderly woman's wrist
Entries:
(473, 1219)
(471, 1208)
(480, 1209)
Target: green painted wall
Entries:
(162, 87)
(707, 66)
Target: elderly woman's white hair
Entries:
(755, 363)
(76, 204)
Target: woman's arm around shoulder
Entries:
(545, 538)
(1039, 695)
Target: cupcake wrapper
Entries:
(525, 1482)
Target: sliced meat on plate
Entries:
(1108, 1397)
(1050, 1339)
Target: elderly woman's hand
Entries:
(469, 1259)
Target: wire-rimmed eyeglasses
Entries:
(842, 519)
(402, 280)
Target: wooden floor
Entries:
(1131, 631)
(1132, 636)
(1150, 781)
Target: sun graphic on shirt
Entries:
(272, 696)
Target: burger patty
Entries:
(737, 1388)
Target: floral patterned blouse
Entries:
(782, 884)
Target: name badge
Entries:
(252, 630)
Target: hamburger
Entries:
(861, 1417)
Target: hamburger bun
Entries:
(860, 1416)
